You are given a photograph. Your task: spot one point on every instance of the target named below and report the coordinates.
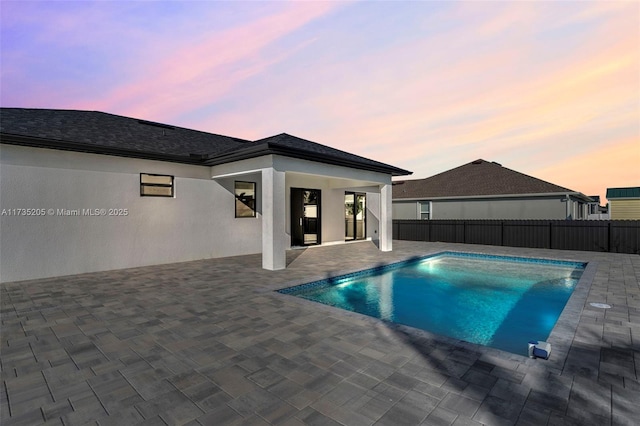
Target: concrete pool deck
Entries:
(209, 342)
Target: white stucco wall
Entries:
(331, 180)
(490, 208)
(198, 223)
(405, 209)
(519, 208)
(373, 215)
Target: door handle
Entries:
(300, 221)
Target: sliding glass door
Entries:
(355, 216)
(305, 217)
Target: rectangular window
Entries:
(424, 210)
(245, 193)
(156, 185)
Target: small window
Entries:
(424, 210)
(245, 193)
(156, 185)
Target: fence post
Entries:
(609, 237)
(502, 233)
(464, 232)
(550, 234)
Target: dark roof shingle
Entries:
(478, 178)
(103, 133)
(290, 142)
(102, 130)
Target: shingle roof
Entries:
(99, 130)
(478, 178)
(630, 192)
(296, 147)
(103, 133)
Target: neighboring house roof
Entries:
(478, 178)
(103, 133)
(631, 192)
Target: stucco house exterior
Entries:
(624, 203)
(84, 191)
(485, 190)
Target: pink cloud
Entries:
(569, 100)
(490, 83)
(439, 115)
(197, 74)
(610, 166)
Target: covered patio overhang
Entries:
(277, 176)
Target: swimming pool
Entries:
(496, 301)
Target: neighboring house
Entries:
(85, 191)
(594, 207)
(595, 210)
(485, 190)
(624, 203)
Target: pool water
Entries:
(496, 301)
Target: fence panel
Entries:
(411, 230)
(624, 236)
(447, 231)
(487, 232)
(619, 236)
(579, 235)
(527, 233)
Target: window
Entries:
(156, 185)
(245, 193)
(424, 210)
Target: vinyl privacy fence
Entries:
(615, 236)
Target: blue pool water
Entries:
(497, 301)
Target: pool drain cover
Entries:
(600, 305)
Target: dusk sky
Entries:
(550, 89)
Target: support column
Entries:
(386, 224)
(273, 220)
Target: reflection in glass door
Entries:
(305, 217)
(355, 216)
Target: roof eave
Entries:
(274, 149)
(201, 160)
(35, 142)
(470, 197)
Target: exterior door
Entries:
(355, 207)
(305, 216)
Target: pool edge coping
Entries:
(565, 326)
(414, 259)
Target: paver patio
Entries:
(209, 342)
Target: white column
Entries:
(273, 220)
(386, 225)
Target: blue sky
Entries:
(550, 89)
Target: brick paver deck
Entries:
(209, 342)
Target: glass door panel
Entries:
(360, 212)
(305, 216)
(355, 216)
(349, 218)
(310, 216)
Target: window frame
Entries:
(237, 199)
(422, 212)
(159, 185)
